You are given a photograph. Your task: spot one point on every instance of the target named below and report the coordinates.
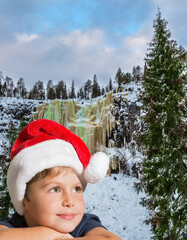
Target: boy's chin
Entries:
(65, 230)
(65, 227)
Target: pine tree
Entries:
(119, 79)
(50, 90)
(127, 77)
(80, 94)
(37, 91)
(1, 87)
(9, 85)
(110, 85)
(106, 89)
(87, 89)
(72, 91)
(136, 74)
(20, 89)
(60, 89)
(102, 91)
(41, 91)
(1, 84)
(95, 87)
(64, 94)
(6, 207)
(4, 89)
(164, 169)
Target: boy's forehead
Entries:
(62, 168)
(60, 173)
(56, 171)
(64, 179)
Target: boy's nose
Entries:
(68, 200)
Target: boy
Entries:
(49, 170)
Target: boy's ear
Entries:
(25, 204)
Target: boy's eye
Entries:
(78, 189)
(55, 190)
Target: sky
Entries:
(75, 39)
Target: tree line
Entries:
(90, 89)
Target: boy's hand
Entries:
(65, 236)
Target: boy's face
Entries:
(55, 202)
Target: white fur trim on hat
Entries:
(97, 167)
(34, 159)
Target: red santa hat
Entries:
(44, 144)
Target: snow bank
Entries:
(116, 203)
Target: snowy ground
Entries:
(117, 205)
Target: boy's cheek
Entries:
(80, 200)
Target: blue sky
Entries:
(75, 39)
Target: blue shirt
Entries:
(88, 222)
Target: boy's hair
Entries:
(50, 172)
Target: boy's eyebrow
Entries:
(78, 183)
(44, 185)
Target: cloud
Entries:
(25, 38)
(72, 56)
(77, 55)
(83, 40)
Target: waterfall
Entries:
(91, 120)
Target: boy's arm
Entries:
(98, 233)
(36, 233)
(43, 233)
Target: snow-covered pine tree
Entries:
(6, 207)
(164, 169)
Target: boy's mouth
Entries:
(67, 216)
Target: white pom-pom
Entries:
(97, 167)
